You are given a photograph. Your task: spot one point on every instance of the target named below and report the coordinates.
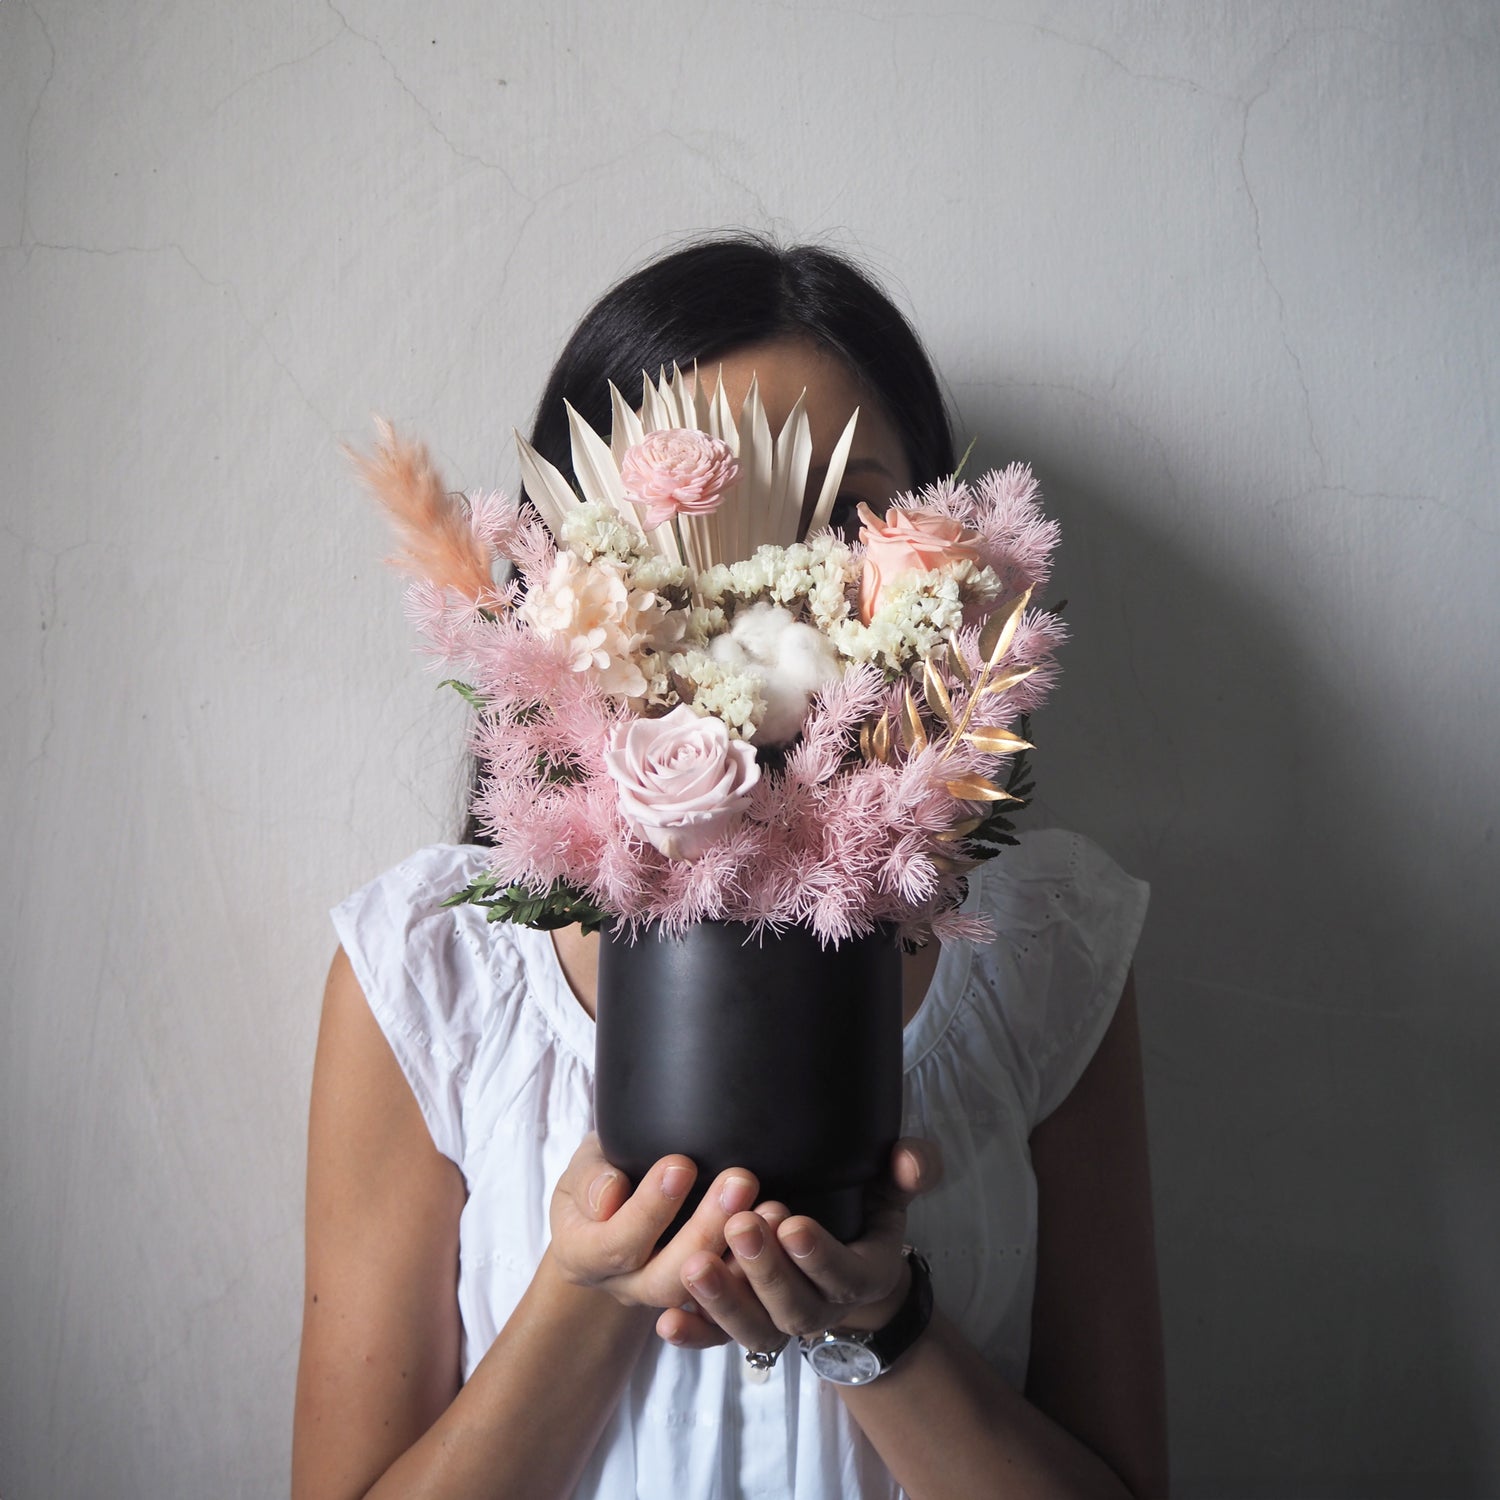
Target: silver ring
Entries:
(759, 1360)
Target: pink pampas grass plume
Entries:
(437, 541)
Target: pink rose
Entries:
(907, 541)
(678, 471)
(683, 782)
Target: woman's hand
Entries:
(604, 1234)
(787, 1276)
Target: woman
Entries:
(485, 1311)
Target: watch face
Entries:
(844, 1362)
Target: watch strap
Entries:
(888, 1344)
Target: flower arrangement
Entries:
(692, 706)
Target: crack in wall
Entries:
(291, 62)
(30, 123)
(1247, 107)
(1396, 497)
(45, 593)
(172, 247)
(427, 114)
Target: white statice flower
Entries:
(606, 625)
(812, 578)
(792, 661)
(705, 622)
(658, 575)
(915, 615)
(594, 530)
(725, 692)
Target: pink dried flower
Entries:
(678, 471)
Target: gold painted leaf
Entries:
(1006, 683)
(911, 723)
(880, 740)
(977, 789)
(959, 830)
(866, 747)
(953, 864)
(996, 741)
(936, 693)
(956, 663)
(995, 638)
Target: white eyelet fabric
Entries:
(499, 1054)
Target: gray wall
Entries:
(1227, 274)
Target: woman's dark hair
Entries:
(716, 295)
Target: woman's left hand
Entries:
(786, 1276)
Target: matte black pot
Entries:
(773, 1054)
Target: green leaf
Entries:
(558, 906)
(470, 695)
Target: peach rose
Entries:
(907, 541)
(677, 472)
(683, 782)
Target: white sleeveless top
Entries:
(499, 1054)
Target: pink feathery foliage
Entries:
(837, 856)
(1002, 506)
(548, 832)
(493, 516)
(510, 529)
(832, 723)
(511, 664)
(953, 926)
(449, 622)
(569, 734)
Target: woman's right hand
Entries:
(604, 1234)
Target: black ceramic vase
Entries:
(773, 1053)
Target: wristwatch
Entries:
(858, 1358)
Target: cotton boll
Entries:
(791, 660)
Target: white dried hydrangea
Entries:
(608, 629)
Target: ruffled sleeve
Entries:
(1068, 919)
(424, 969)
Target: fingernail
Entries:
(747, 1243)
(736, 1196)
(799, 1242)
(675, 1181)
(704, 1283)
(596, 1192)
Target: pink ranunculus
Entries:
(907, 541)
(683, 782)
(678, 472)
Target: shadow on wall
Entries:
(1320, 1090)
